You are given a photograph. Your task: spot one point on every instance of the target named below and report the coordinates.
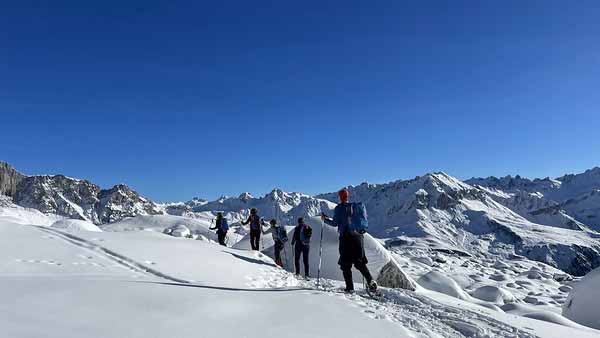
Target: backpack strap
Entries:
(350, 214)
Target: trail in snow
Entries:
(114, 256)
(418, 312)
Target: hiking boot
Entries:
(349, 291)
(372, 286)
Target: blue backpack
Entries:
(224, 225)
(305, 234)
(357, 219)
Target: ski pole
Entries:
(320, 251)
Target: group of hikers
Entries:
(347, 219)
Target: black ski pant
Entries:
(352, 252)
(255, 239)
(221, 236)
(301, 250)
(277, 252)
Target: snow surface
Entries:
(138, 283)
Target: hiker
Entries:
(222, 227)
(255, 228)
(351, 247)
(301, 239)
(279, 238)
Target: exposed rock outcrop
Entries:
(9, 178)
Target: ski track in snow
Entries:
(411, 310)
(114, 256)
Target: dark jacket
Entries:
(254, 221)
(218, 225)
(296, 236)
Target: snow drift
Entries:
(583, 301)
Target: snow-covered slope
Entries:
(10, 212)
(564, 196)
(586, 207)
(63, 283)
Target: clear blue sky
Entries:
(182, 99)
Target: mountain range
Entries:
(555, 221)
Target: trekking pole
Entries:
(262, 238)
(208, 230)
(320, 251)
(285, 255)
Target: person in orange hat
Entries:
(351, 247)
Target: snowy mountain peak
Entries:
(245, 196)
(74, 198)
(444, 182)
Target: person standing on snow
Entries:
(301, 239)
(351, 247)
(222, 228)
(255, 228)
(279, 238)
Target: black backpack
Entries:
(254, 222)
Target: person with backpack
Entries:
(301, 244)
(351, 221)
(255, 228)
(222, 227)
(279, 238)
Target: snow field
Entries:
(134, 282)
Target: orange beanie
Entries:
(344, 195)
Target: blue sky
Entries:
(182, 99)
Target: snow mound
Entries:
(75, 225)
(436, 281)
(494, 294)
(178, 230)
(582, 303)
(197, 227)
(552, 317)
(533, 312)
